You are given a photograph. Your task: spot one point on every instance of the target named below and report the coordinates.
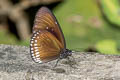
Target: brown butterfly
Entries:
(47, 42)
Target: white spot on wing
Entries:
(40, 61)
(55, 22)
(31, 48)
(38, 37)
(37, 53)
(31, 45)
(36, 50)
(35, 41)
(37, 59)
(32, 41)
(32, 51)
(36, 47)
(37, 32)
(46, 27)
(33, 37)
(32, 54)
(35, 44)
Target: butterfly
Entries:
(47, 42)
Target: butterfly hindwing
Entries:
(44, 46)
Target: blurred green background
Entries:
(88, 25)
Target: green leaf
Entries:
(107, 47)
(111, 9)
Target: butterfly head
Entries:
(66, 53)
(69, 52)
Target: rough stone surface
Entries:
(16, 64)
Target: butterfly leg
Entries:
(57, 62)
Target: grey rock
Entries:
(16, 64)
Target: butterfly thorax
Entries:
(65, 53)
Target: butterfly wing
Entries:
(44, 46)
(46, 20)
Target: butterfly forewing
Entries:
(46, 20)
(44, 46)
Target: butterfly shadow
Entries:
(71, 61)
